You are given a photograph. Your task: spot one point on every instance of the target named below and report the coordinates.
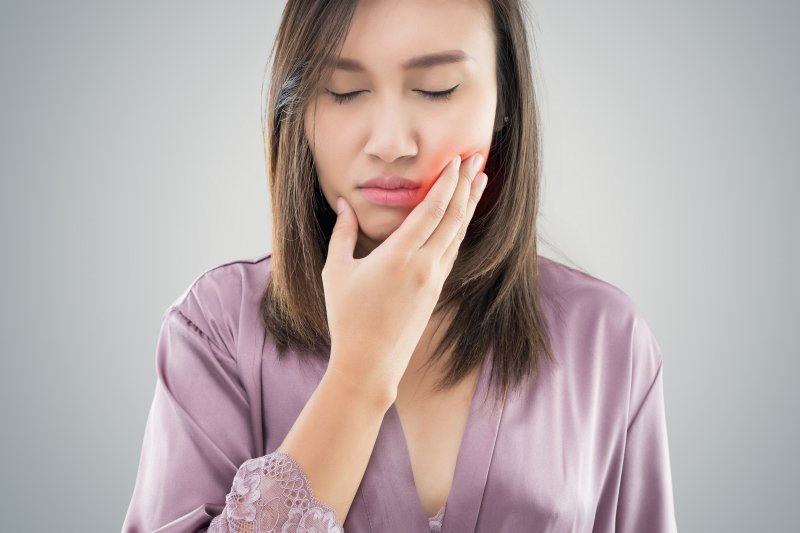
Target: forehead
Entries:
(415, 35)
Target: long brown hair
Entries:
(496, 268)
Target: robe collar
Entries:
(388, 489)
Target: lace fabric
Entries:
(435, 522)
(271, 494)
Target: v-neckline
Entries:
(388, 487)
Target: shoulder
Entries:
(215, 300)
(578, 291)
(598, 315)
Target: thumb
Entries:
(345, 232)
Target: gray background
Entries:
(132, 162)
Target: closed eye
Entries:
(433, 95)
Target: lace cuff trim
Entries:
(271, 494)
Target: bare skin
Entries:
(433, 423)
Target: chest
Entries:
(434, 429)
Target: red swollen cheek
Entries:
(436, 173)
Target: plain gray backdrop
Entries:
(132, 161)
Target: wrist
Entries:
(377, 398)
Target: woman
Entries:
(339, 383)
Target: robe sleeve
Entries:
(196, 469)
(645, 495)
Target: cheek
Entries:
(330, 153)
(464, 133)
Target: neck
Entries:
(419, 378)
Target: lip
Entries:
(390, 183)
(400, 196)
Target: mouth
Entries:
(391, 197)
(390, 183)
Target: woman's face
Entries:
(390, 127)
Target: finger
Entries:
(344, 235)
(476, 193)
(457, 211)
(423, 219)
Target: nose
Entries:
(392, 133)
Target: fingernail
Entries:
(477, 159)
(339, 206)
(457, 162)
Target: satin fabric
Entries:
(581, 448)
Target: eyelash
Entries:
(438, 95)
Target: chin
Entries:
(378, 228)
(378, 235)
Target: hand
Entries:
(379, 306)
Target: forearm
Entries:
(333, 438)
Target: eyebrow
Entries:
(423, 61)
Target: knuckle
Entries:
(462, 233)
(460, 214)
(438, 208)
(468, 176)
(424, 273)
(326, 273)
